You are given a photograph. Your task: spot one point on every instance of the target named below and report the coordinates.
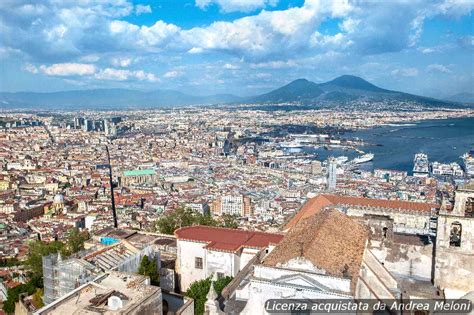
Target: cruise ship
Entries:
(363, 158)
(291, 145)
(420, 165)
(468, 160)
(451, 169)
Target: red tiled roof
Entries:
(223, 239)
(314, 205)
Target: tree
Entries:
(14, 294)
(221, 283)
(182, 217)
(36, 251)
(149, 268)
(74, 241)
(198, 292)
(229, 221)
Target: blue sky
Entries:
(244, 47)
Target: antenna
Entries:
(114, 213)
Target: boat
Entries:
(341, 159)
(468, 161)
(363, 158)
(421, 165)
(291, 145)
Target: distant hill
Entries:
(347, 90)
(342, 90)
(467, 98)
(108, 98)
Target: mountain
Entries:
(347, 90)
(108, 99)
(466, 97)
(344, 90)
(298, 90)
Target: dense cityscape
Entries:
(194, 157)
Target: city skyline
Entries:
(238, 47)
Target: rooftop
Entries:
(314, 205)
(229, 240)
(93, 297)
(139, 172)
(330, 240)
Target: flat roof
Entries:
(139, 172)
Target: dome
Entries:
(58, 199)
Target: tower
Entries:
(332, 173)
(454, 262)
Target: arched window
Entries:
(455, 236)
(469, 209)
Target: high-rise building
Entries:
(332, 173)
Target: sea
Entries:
(395, 145)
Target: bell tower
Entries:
(454, 255)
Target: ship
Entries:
(363, 158)
(341, 159)
(291, 145)
(468, 161)
(420, 165)
(452, 169)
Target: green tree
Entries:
(74, 241)
(221, 283)
(38, 298)
(14, 294)
(229, 221)
(198, 292)
(149, 268)
(182, 217)
(36, 251)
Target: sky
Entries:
(242, 47)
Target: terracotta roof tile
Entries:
(227, 239)
(330, 240)
(314, 205)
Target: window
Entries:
(198, 263)
(455, 236)
(220, 275)
(469, 209)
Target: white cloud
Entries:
(30, 68)
(121, 62)
(142, 9)
(68, 69)
(124, 75)
(438, 68)
(229, 66)
(195, 50)
(173, 74)
(405, 72)
(237, 5)
(279, 64)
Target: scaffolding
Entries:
(61, 277)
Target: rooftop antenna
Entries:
(114, 213)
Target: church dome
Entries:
(58, 199)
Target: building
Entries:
(111, 293)
(408, 217)
(205, 251)
(63, 276)
(139, 177)
(238, 205)
(317, 259)
(332, 174)
(454, 259)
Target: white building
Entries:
(204, 251)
